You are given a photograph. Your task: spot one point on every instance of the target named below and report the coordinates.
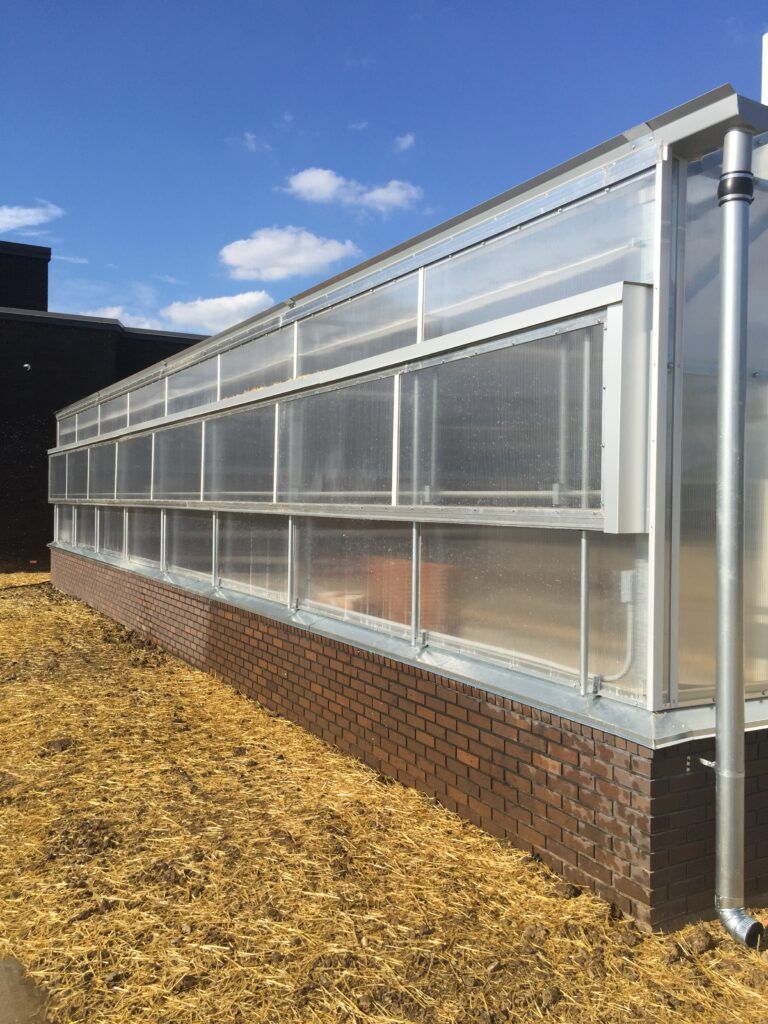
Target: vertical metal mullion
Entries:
(98, 419)
(275, 453)
(291, 581)
(420, 306)
(66, 475)
(218, 377)
(658, 426)
(125, 534)
(87, 472)
(202, 460)
(56, 523)
(152, 470)
(562, 427)
(165, 400)
(295, 348)
(163, 541)
(415, 583)
(128, 409)
(96, 529)
(215, 552)
(584, 682)
(117, 456)
(586, 382)
(395, 438)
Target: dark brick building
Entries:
(48, 360)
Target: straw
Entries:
(170, 852)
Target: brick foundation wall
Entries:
(634, 825)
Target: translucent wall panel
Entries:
(146, 403)
(101, 477)
(380, 321)
(511, 592)
(111, 531)
(240, 455)
(178, 452)
(337, 446)
(355, 570)
(618, 575)
(65, 528)
(114, 414)
(696, 611)
(144, 535)
(253, 554)
(597, 241)
(88, 423)
(189, 542)
(57, 476)
(85, 527)
(77, 474)
(134, 467)
(67, 430)
(258, 363)
(194, 386)
(505, 427)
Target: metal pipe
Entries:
(735, 194)
(562, 426)
(415, 584)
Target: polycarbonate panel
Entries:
(57, 476)
(67, 430)
(253, 554)
(189, 542)
(77, 474)
(144, 535)
(101, 477)
(134, 467)
(379, 321)
(505, 427)
(506, 592)
(114, 414)
(65, 524)
(88, 423)
(336, 446)
(356, 571)
(177, 462)
(697, 615)
(146, 403)
(240, 455)
(618, 594)
(193, 386)
(85, 527)
(258, 363)
(111, 533)
(605, 238)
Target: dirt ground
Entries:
(170, 853)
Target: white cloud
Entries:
(272, 254)
(213, 315)
(165, 278)
(403, 142)
(255, 143)
(14, 217)
(358, 126)
(321, 185)
(71, 259)
(149, 323)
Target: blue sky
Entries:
(190, 162)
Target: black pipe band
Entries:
(736, 186)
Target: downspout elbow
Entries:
(740, 926)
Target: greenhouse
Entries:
(486, 458)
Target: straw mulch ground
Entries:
(171, 853)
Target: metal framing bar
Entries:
(420, 306)
(215, 579)
(416, 584)
(163, 541)
(202, 461)
(659, 423)
(291, 582)
(296, 349)
(395, 438)
(276, 453)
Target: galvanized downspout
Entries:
(735, 194)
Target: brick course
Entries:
(632, 824)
